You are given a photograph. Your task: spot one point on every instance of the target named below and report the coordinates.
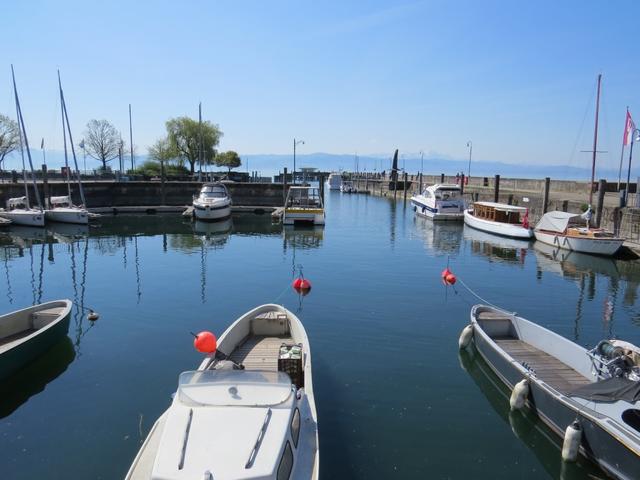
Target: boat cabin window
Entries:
(286, 463)
(491, 213)
(447, 194)
(632, 418)
(295, 427)
(304, 197)
(213, 191)
(427, 194)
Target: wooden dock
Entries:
(185, 210)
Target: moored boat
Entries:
(590, 398)
(4, 222)
(348, 187)
(19, 213)
(28, 333)
(64, 211)
(499, 219)
(564, 230)
(213, 203)
(334, 182)
(256, 392)
(303, 206)
(440, 202)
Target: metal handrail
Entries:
(256, 447)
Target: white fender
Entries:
(465, 336)
(519, 394)
(571, 443)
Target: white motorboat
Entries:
(248, 412)
(303, 206)
(62, 210)
(19, 213)
(590, 398)
(499, 219)
(213, 202)
(348, 187)
(334, 182)
(570, 232)
(440, 202)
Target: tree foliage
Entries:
(102, 141)
(185, 136)
(9, 137)
(153, 168)
(162, 151)
(228, 159)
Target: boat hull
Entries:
(25, 352)
(594, 246)
(497, 228)
(311, 217)
(211, 213)
(426, 211)
(76, 216)
(29, 218)
(558, 411)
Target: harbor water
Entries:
(395, 397)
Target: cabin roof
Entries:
(503, 207)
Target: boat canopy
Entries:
(556, 221)
(60, 200)
(16, 202)
(503, 207)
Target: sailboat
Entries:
(572, 231)
(19, 209)
(62, 209)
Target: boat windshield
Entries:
(213, 191)
(304, 197)
(447, 194)
(239, 388)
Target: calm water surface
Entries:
(395, 397)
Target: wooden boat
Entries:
(213, 202)
(439, 202)
(590, 398)
(303, 206)
(248, 412)
(28, 333)
(564, 230)
(499, 219)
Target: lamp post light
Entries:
(470, 145)
(295, 143)
(635, 137)
(421, 161)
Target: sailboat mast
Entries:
(73, 148)
(24, 171)
(595, 142)
(64, 138)
(200, 139)
(24, 137)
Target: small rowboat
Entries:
(26, 334)
(248, 412)
(589, 398)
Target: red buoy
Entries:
(448, 277)
(205, 342)
(301, 283)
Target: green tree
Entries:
(102, 141)
(185, 136)
(9, 137)
(228, 159)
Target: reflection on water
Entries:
(302, 236)
(497, 248)
(524, 424)
(31, 380)
(442, 237)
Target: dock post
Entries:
(565, 205)
(284, 186)
(496, 188)
(602, 187)
(510, 200)
(442, 178)
(162, 180)
(45, 187)
(366, 182)
(420, 183)
(404, 186)
(322, 188)
(462, 184)
(545, 195)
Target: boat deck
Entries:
(547, 368)
(260, 352)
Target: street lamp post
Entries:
(636, 134)
(421, 160)
(470, 145)
(295, 143)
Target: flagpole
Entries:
(622, 150)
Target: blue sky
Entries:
(517, 78)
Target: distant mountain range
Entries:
(271, 164)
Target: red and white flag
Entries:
(629, 127)
(525, 220)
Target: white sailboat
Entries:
(19, 210)
(61, 208)
(563, 229)
(256, 392)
